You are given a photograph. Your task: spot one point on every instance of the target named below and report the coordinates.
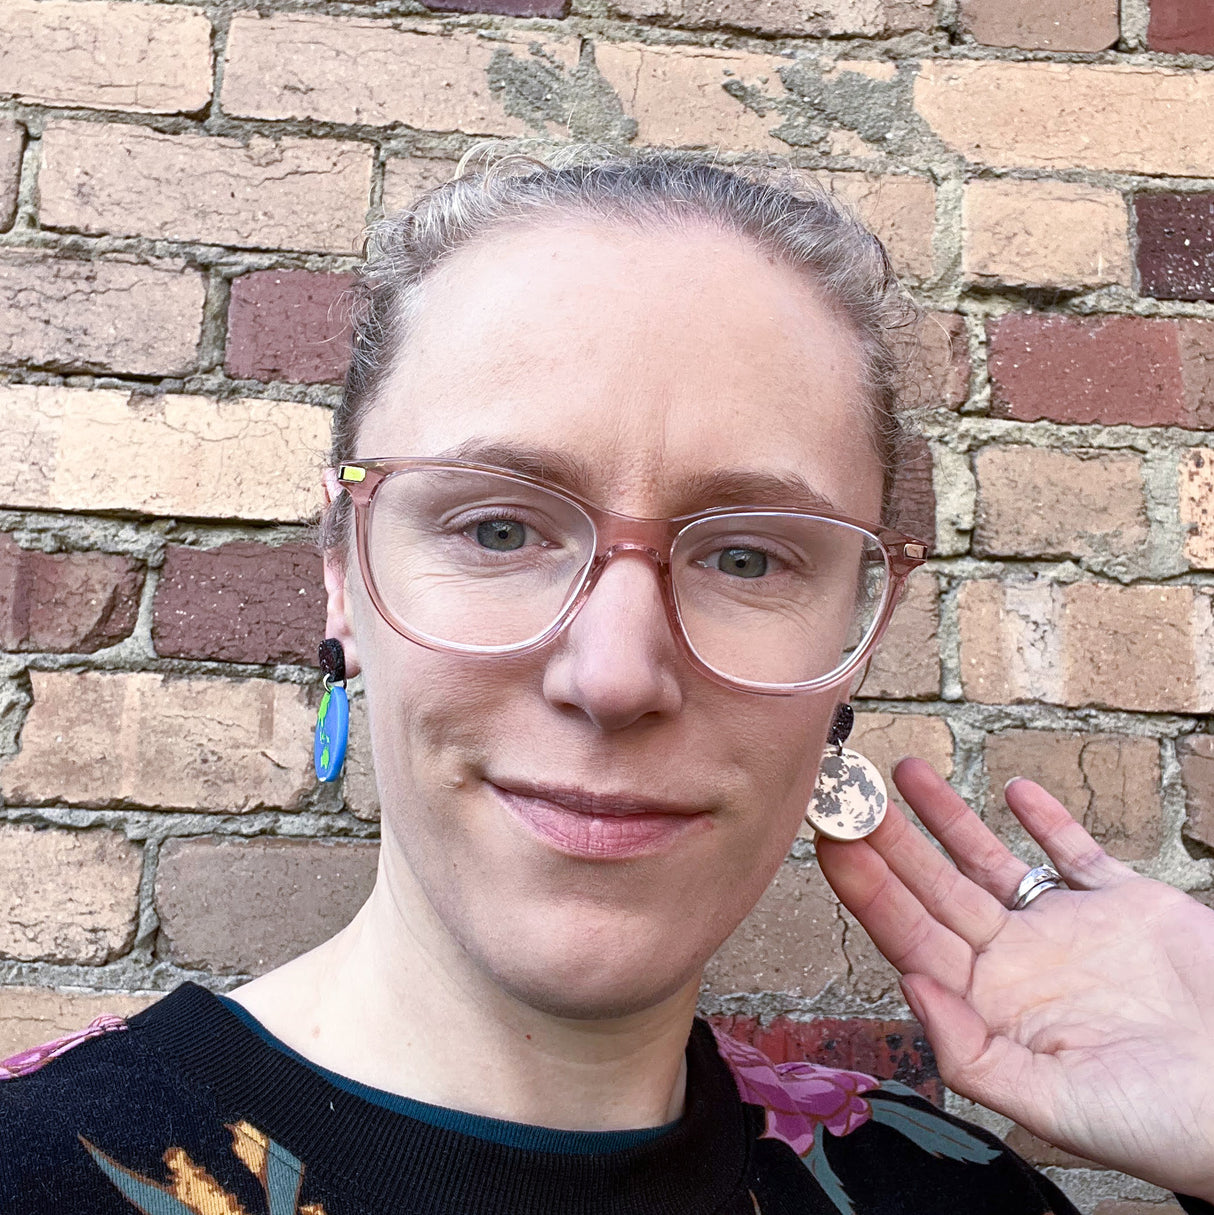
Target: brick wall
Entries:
(182, 187)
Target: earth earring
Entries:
(849, 798)
(333, 715)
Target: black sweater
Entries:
(192, 1109)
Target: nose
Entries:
(617, 662)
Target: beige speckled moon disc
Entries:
(849, 798)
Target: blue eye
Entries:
(741, 562)
(501, 535)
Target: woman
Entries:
(628, 430)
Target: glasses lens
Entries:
(777, 599)
(473, 558)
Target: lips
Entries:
(601, 826)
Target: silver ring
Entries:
(1036, 882)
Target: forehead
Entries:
(653, 359)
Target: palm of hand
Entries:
(1088, 1017)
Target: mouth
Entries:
(599, 826)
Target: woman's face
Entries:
(648, 362)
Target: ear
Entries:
(337, 570)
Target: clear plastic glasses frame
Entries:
(613, 534)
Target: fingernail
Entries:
(1011, 782)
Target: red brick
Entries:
(1181, 25)
(288, 325)
(890, 1050)
(245, 906)
(240, 602)
(65, 602)
(1176, 245)
(1043, 25)
(12, 145)
(1110, 369)
(938, 370)
(111, 314)
(1197, 768)
(505, 8)
(914, 496)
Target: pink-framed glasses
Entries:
(472, 559)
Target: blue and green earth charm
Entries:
(333, 715)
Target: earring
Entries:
(849, 797)
(333, 715)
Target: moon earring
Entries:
(849, 798)
(333, 715)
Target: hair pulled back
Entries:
(785, 213)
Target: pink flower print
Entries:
(798, 1097)
(28, 1061)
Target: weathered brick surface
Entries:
(244, 906)
(900, 209)
(351, 70)
(1040, 502)
(1045, 233)
(1045, 1155)
(127, 180)
(1197, 767)
(96, 738)
(914, 495)
(1181, 25)
(65, 602)
(1144, 648)
(1042, 115)
(1112, 369)
(12, 144)
(857, 17)
(1129, 1206)
(1083, 25)
(791, 942)
(106, 55)
(288, 325)
(240, 602)
(30, 1016)
(1195, 489)
(938, 371)
(358, 780)
(1176, 245)
(891, 1050)
(1108, 781)
(405, 177)
(103, 315)
(161, 455)
(67, 896)
(906, 664)
(507, 8)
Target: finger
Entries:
(909, 937)
(958, 903)
(966, 838)
(1078, 857)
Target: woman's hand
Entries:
(1088, 1017)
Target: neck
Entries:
(393, 1004)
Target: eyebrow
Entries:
(719, 487)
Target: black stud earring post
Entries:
(841, 725)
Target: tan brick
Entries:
(900, 210)
(30, 1016)
(405, 177)
(1145, 648)
(246, 906)
(938, 362)
(791, 942)
(906, 664)
(75, 449)
(1044, 1155)
(1038, 502)
(1196, 755)
(358, 780)
(67, 896)
(1081, 25)
(96, 738)
(1045, 234)
(12, 144)
(104, 315)
(345, 70)
(1134, 119)
(1196, 492)
(856, 17)
(1127, 1206)
(269, 193)
(143, 57)
(678, 98)
(1110, 782)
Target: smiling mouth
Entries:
(600, 826)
